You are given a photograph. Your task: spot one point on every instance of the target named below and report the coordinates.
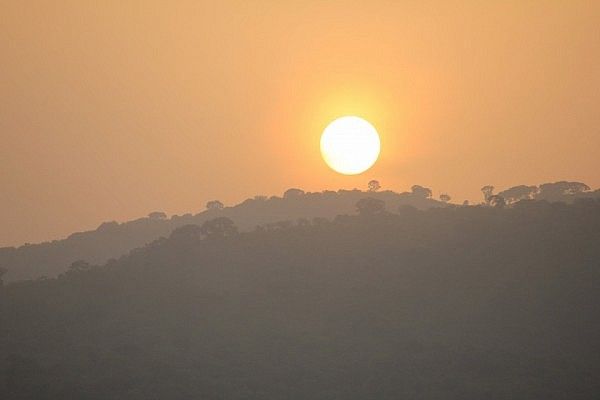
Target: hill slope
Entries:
(112, 240)
(448, 303)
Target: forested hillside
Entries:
(113, 239)
(461, 302)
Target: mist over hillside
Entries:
(461, 302)
(112, 239)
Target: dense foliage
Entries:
(449, 303)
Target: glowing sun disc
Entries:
(350, 145)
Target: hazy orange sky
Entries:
(112, 110)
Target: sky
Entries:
(111, 110)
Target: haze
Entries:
(110, 111)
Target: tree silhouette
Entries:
(421, 191)
(189, 232)
(370, 206)
(157, 215)
(487, 191)
(218, 227)
(496, 201)
(557, 191)
(577, 187)
(214, 205)
(445, 197)
(374, 185)
(292, 192)
(517, 193)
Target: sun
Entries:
(350, 145)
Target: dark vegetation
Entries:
(494, 301)
(112, 240)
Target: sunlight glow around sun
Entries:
(350, 145)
